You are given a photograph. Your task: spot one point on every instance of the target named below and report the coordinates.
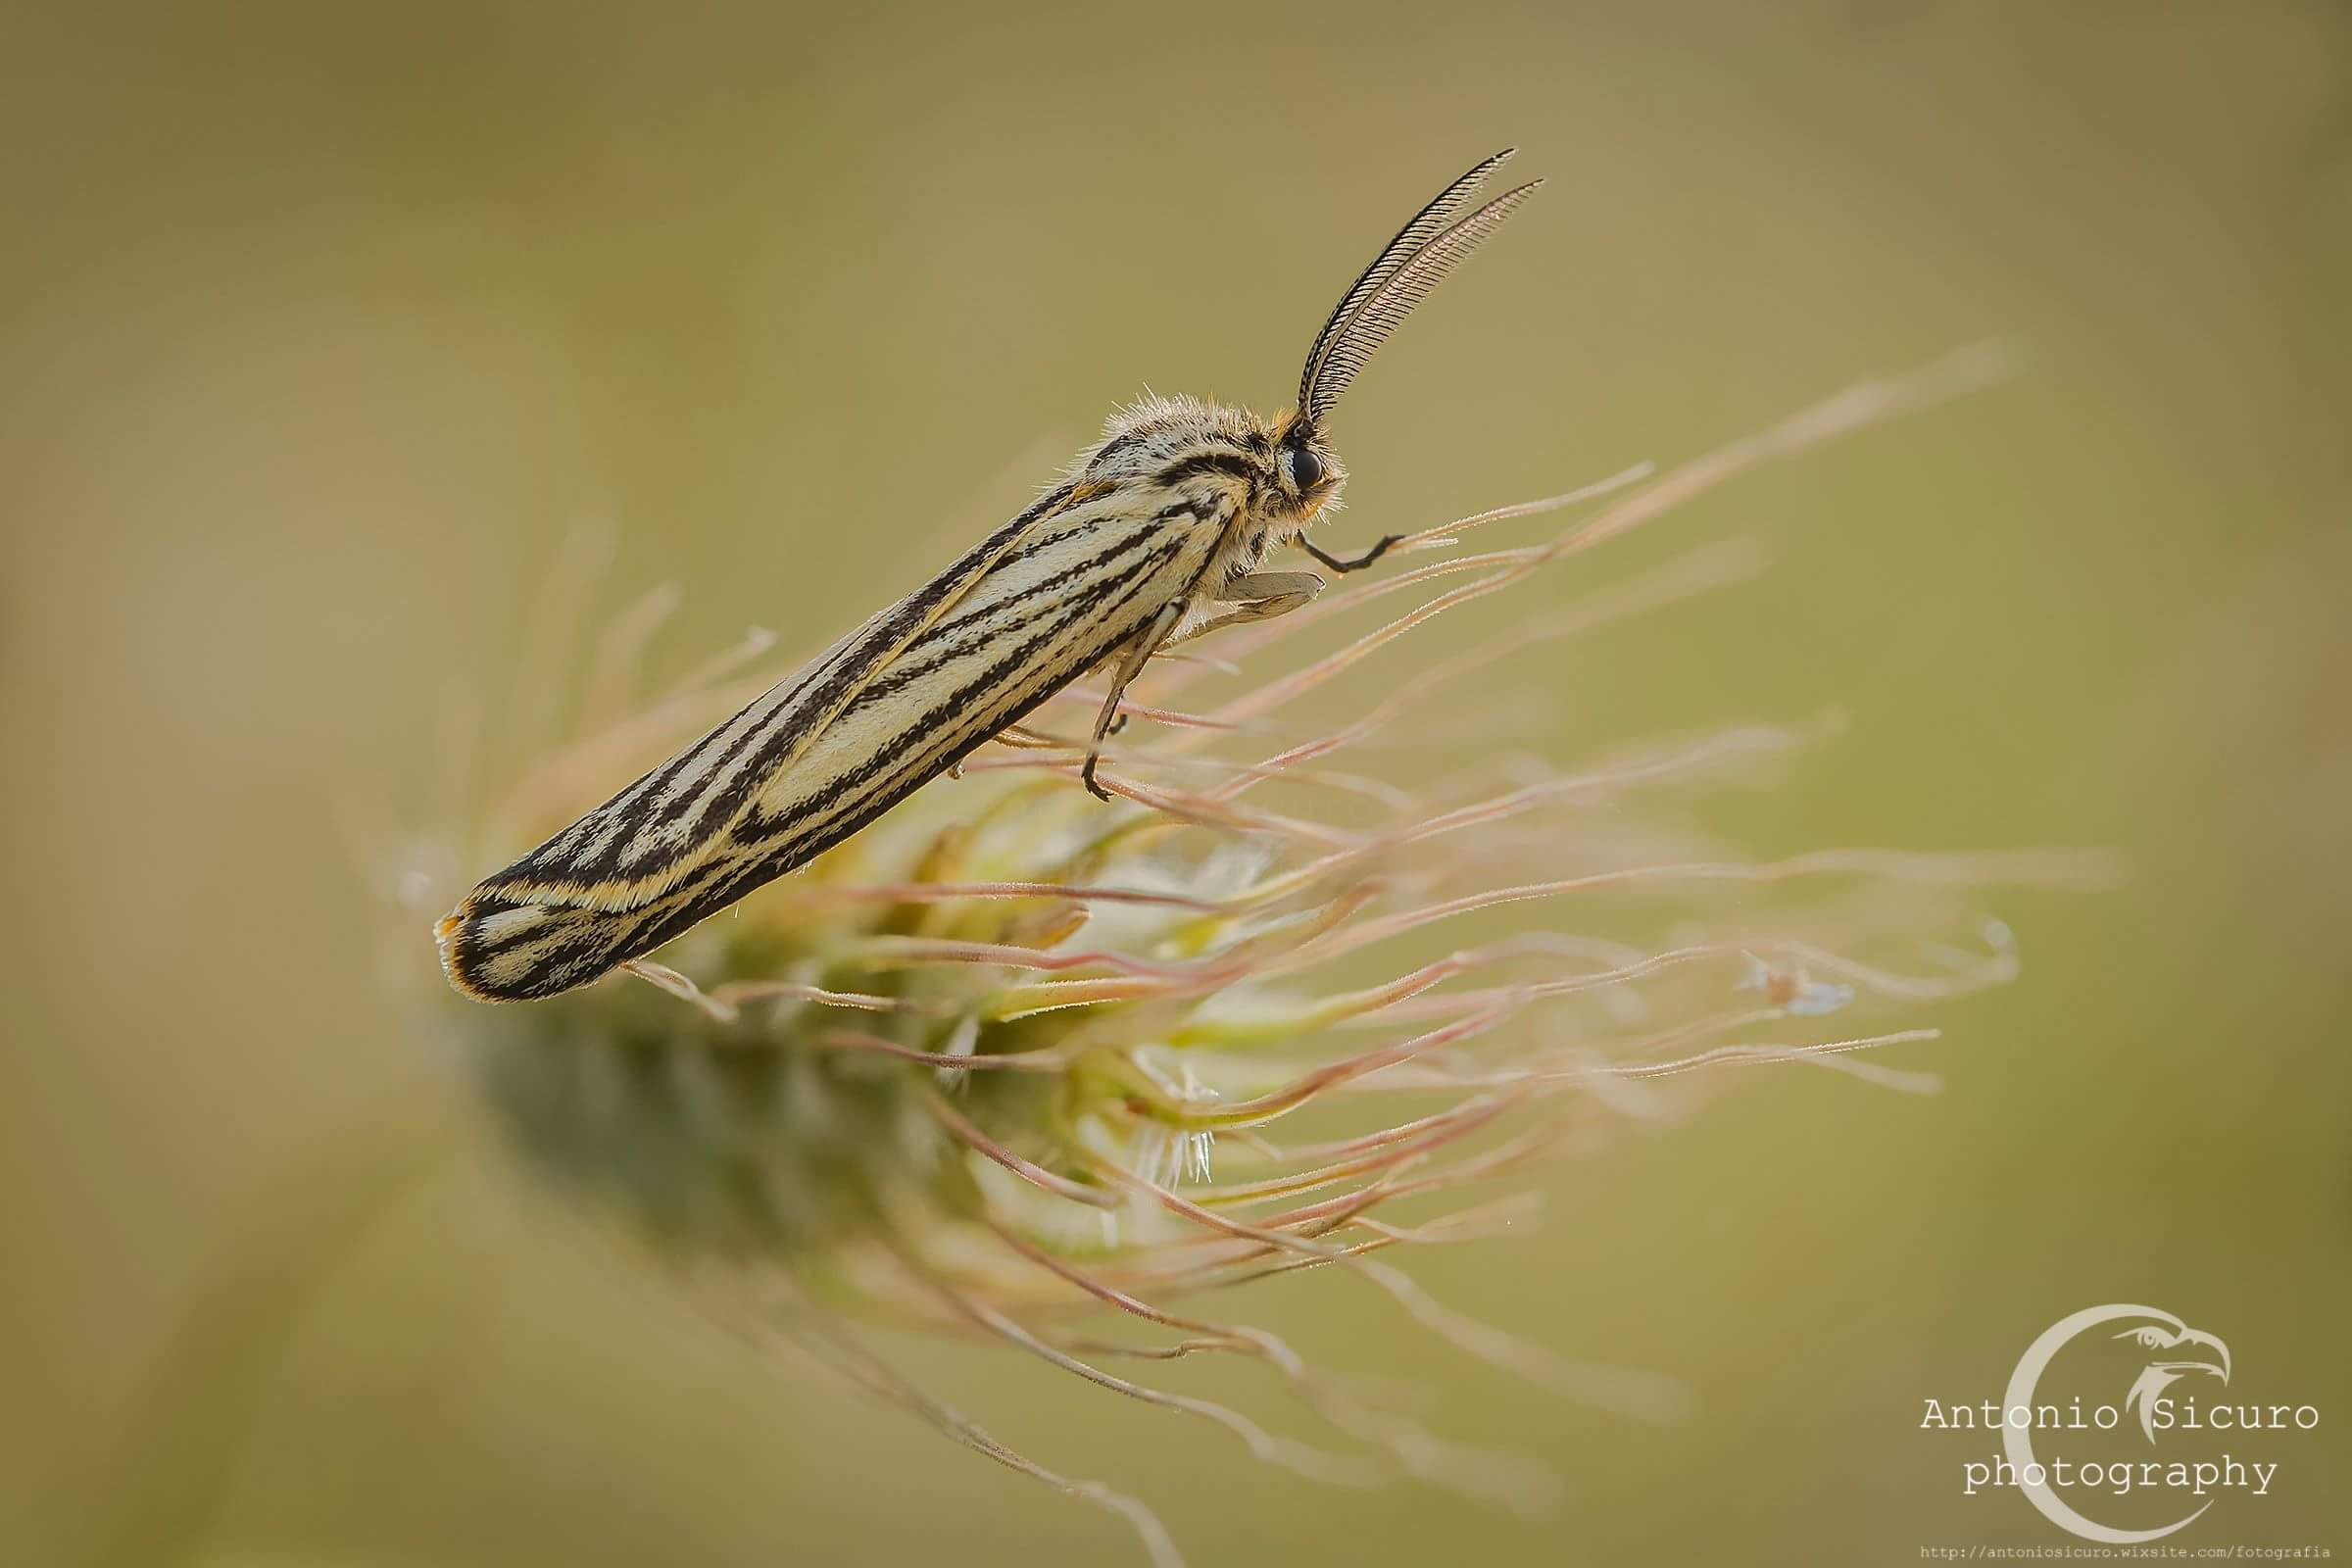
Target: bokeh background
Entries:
(321, 327)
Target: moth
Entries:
(1159, 533)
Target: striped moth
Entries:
(1156, 535)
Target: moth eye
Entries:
(1306, 469)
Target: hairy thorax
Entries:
(1219, 465)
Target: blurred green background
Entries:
(323, 325)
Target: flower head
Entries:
(1009, 1054)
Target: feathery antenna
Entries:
(1401, 278)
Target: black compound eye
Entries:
(1306, 469)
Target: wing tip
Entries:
(495, 947)
(456, 937)
(486, 952)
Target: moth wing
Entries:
(1040, 619)
(652, 835)
(1021, 615)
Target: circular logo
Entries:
(2176, 1346)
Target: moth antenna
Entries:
(1427, 223)
(1382, 308)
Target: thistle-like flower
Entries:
(1019, 1065)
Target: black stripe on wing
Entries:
(499, 947)
(627, 850)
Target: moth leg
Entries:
(1259, 596)
(1341, 564)
(1139, 650)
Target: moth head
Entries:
(1440, 237)
(1307, 472)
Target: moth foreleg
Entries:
(1138, 651)
(1342, 563)
(1270, 593)
(1259, 596)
